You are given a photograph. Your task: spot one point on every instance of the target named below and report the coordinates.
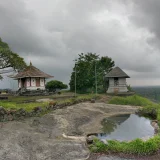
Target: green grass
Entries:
(26, 106)
(134, 100)
(136, 146)
(18, 102)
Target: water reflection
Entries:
(126, 127)
(111, 123)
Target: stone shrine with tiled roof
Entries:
(117, 81)
(32, 78)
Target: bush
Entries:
(54, 84)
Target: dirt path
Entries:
(41, 138)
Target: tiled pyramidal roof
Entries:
(32, 71)
(117, 72)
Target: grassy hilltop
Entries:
(137, 146)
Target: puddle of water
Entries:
(126, 127)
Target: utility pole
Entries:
(75, 80)
(95, 77)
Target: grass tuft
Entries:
(134, 100)
(137, 146)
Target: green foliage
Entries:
(129, 88)
(148, 107)
(85, 67)
(54, 84)
(98, 146)
(9, 59)
(134, 100)
(3, 44)
(158, 115)
(137, 146)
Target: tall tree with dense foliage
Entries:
(9, 59)
(85, 67)
(54, 84)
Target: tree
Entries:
(129, 88)
(85, 67)
(9, 59)
(54, 84)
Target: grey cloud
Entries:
(146, 14)
(52, 33)
(20, 28)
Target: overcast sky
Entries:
(51, 33)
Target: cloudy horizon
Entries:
(51, 34)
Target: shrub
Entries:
(98, 146)
(54, 84)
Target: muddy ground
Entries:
(41, 138)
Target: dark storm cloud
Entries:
(20, 29)
(52, 33)
(146, 15)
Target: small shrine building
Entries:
(117, 81)
(31, 78)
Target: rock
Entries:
(20, 112)
(12, 112)
(155, 121)
(10, 117)
(154, 113)
(90, 139)
(49, 107)
(5, 118)
(92, 100)
(137, 112)
(156, 128)
(35, 122)
(1, 118)
(155, 125)
(146, 138)
(31, 114)
(37, 109)
(104, 141)
(2, 111)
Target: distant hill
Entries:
(151, 92)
